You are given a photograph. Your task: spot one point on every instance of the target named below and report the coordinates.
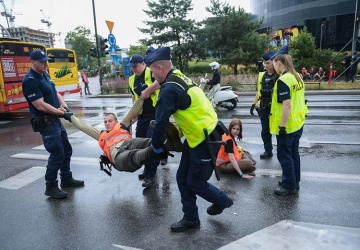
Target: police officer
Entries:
(287, 118)
(215, 80)
(139, 81)
(193, 112)
(46, 105)
(266, 81)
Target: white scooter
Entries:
(223, 96)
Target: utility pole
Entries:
(97, 48)
(356, 26)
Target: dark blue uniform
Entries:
(195, 168)
(143, 122)
(267, 83)
(55, 138)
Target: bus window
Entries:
(63, 70)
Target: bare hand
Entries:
(246, 176)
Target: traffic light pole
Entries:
(97, 48)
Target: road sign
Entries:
(111, 39)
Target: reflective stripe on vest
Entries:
(298, 109)
(222, 156)
(198, 116)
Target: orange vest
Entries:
(109, 139)
(222, 156)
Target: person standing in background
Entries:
(85, 80)
(266, 82)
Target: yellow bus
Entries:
(15, 63)
(63, 70)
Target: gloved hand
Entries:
(252, 109)
(282, 131)
(67, 116)
(67, 109)
(162, 152)
(123, 126)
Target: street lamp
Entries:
(321, 34)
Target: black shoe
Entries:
(54, 191)
(283, 191)
(182, 225)
(266, 155)
(297, 185)
(148, 182)
(71, 182)
(215, 209)
(163, 162)
(141, 176)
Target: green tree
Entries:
(232, 34)
(141, 49)
(81, 40)
(169, 26)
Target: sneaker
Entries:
(148, 182)
(54, 191)
(283, 191)
(297, 185)
(266, 155)
(183, 225)
(71, 182)
(216, 209)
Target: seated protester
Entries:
(320, 75)
(229, 159)
(305, 74)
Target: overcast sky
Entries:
(65, 15)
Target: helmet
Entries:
(214, 65)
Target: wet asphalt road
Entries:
(117, 213)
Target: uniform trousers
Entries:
(265, 128)
(192, 177)
(57, 144)
(289, 158)
(143, 130)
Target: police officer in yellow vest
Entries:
(140, 80)
(193, 112)
(266, 82)
(287, 117)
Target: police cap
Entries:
(162, 53)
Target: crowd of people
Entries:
(165, 92)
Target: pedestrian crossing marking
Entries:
(293, 235)
(24, 178)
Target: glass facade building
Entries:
(333, 18)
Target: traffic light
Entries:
(93, 52)
(103, 47)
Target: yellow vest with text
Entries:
(198, 116)
(148, 82)
(298, 109)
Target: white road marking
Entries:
(23, 178)
(126, 248)
(45, 158)
(293, 235)
(4, 122)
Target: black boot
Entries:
(148, 182)
(183, 225)
(266, 155)
(54, 191)
(216, 209)
(71, 182)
